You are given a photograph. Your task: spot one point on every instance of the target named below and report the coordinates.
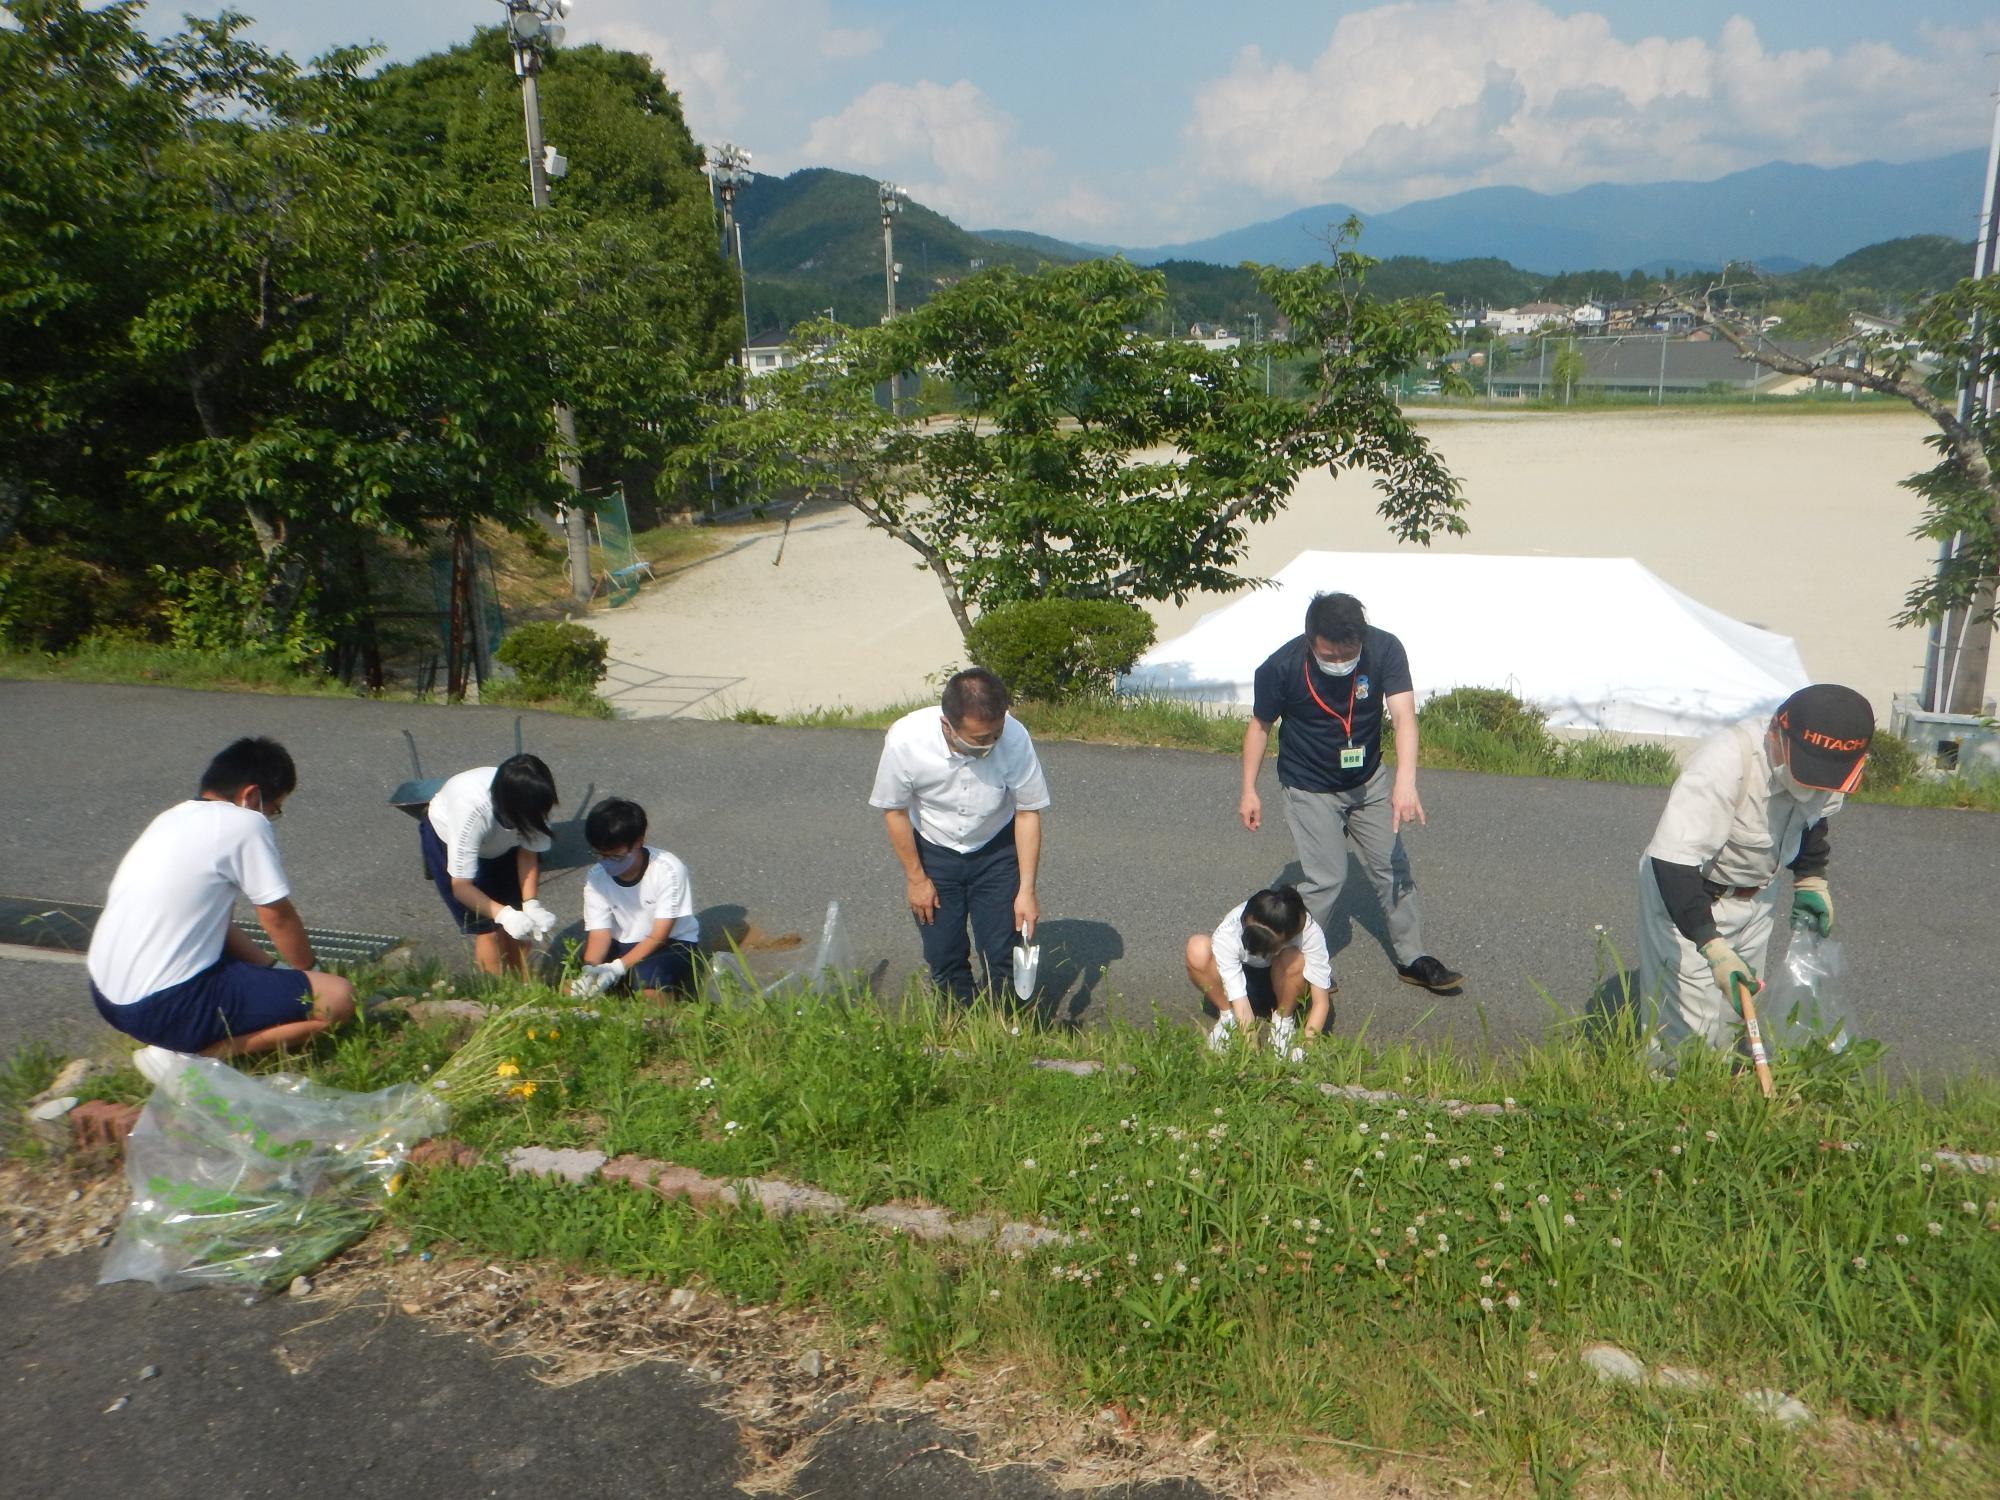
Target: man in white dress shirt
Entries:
(962, 793)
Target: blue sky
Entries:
(1146, 121)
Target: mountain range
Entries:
(1780, 215)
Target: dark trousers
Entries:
(978, 888)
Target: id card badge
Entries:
(1352, 757)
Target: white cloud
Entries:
(1411, 100)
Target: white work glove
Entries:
(1283, 1029)
(1224, 1033)
(542, 917)
(597, 978)
(518, 925)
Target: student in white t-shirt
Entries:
(638, 908)
(1263, 957)
(168, 966)
(483, 836)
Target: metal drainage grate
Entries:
(66, 926)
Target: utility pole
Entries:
(1960, 645)
(729, 169)
(891, 199)
(534, 28)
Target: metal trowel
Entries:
(1027, 963)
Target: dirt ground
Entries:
(1796, 522)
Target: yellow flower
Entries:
(508, 1069)
(524, 1090)
(392, 1184)
(553, 1033)
(531, 1033)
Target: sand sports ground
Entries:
(1794, 520)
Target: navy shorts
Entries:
(668, 967)
(499, 877)
(228, 998)
(1263, 994)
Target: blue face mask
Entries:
(623, 865)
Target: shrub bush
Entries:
(1055, 650)
(555, 658)
(1892, 762)
(48, 602)
(1493, 710)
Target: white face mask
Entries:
(1339, 668)
(1799, 790)
(976, 752)
(622, 866)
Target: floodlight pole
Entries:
(1960, 645)
(531, 30)
(890, 197)
(729, 169)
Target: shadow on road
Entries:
(1075, 955)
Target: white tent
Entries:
(1596, 642)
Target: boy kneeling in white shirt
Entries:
(638, 908)
(1259, 961)
(168, 966)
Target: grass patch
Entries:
(531, 569)
(26, 1073)
(100, 660)
(1252, 1254)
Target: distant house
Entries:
(1212, 336)
(769, 353)
(1509, 321)
(1589, 318)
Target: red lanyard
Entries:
(1347, 722)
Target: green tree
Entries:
(1567, 368)
(1948, 343)
(1086, 460)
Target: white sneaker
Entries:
(1224, 1033)
(157, 1064)
(1283, 1029)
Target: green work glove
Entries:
(1732, 975)
(1812, 904)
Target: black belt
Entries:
(1716, 892)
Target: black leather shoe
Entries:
(1427, 973)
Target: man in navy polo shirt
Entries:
(1331, 687)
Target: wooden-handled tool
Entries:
(1759, 1059)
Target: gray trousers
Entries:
(1323, 825)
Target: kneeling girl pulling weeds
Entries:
(1261, 958)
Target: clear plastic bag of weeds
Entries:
(832, 966)
(249, 1181)
(1807, 999)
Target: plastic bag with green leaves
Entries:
(250, 1181)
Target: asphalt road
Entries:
(281, 1399)
(1142, 847)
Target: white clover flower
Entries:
(1513, 1301)
(1506, 1216)
(1298, 1223)
(1543, 1199)
(1968, 1206)
(1194, 1281)
(994, 1295)
(1486, 1280)
(1029, 1163)
(1180, 1268)
(1617, 1194)
(1375, 1229)
(1616, 1243)
(1362, 1128)
(1533, 1377)
(1310, 1164)
(1710, 1135)
(1675, 1149)
(1312, 1224)
(1131, 1259)
(1381, 1156)
(1356, 1174)
(731, 1125)
(1381, 1264)
(1499, 1186)
(1925, 1168)
(1159, 1277)
(1569, 1221)
(1135, 1210)
(1902, 1239)
(1507, 1103)
(1486, 1304)
(1934, 1227)
(706, 1083)
(1860, 1262)
(1499, 1152)
(1402, 1114)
